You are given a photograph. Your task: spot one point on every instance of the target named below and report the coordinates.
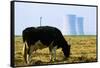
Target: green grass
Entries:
(83, 49)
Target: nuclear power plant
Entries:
(75, 24)
(80, 25)
(72, 24)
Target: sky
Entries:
(28, 15)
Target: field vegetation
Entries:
(83, 49)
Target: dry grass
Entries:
(83, 49)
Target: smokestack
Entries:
(40, 21)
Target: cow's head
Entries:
(66, 50)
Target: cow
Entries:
(49, 36)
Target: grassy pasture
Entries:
(83, 49)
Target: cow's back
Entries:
(30, 35)
(47, 34)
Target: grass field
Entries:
(83, 49)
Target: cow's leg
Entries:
(31, 49)
(50, 49)
(55, 48)
(52, 52)
(26, 52)
(27, 59)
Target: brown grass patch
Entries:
(83, 49)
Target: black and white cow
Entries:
(49, 36)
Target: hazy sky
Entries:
(28, 15)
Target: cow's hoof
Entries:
(52, 61)
(65, 58)
(38, 62)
